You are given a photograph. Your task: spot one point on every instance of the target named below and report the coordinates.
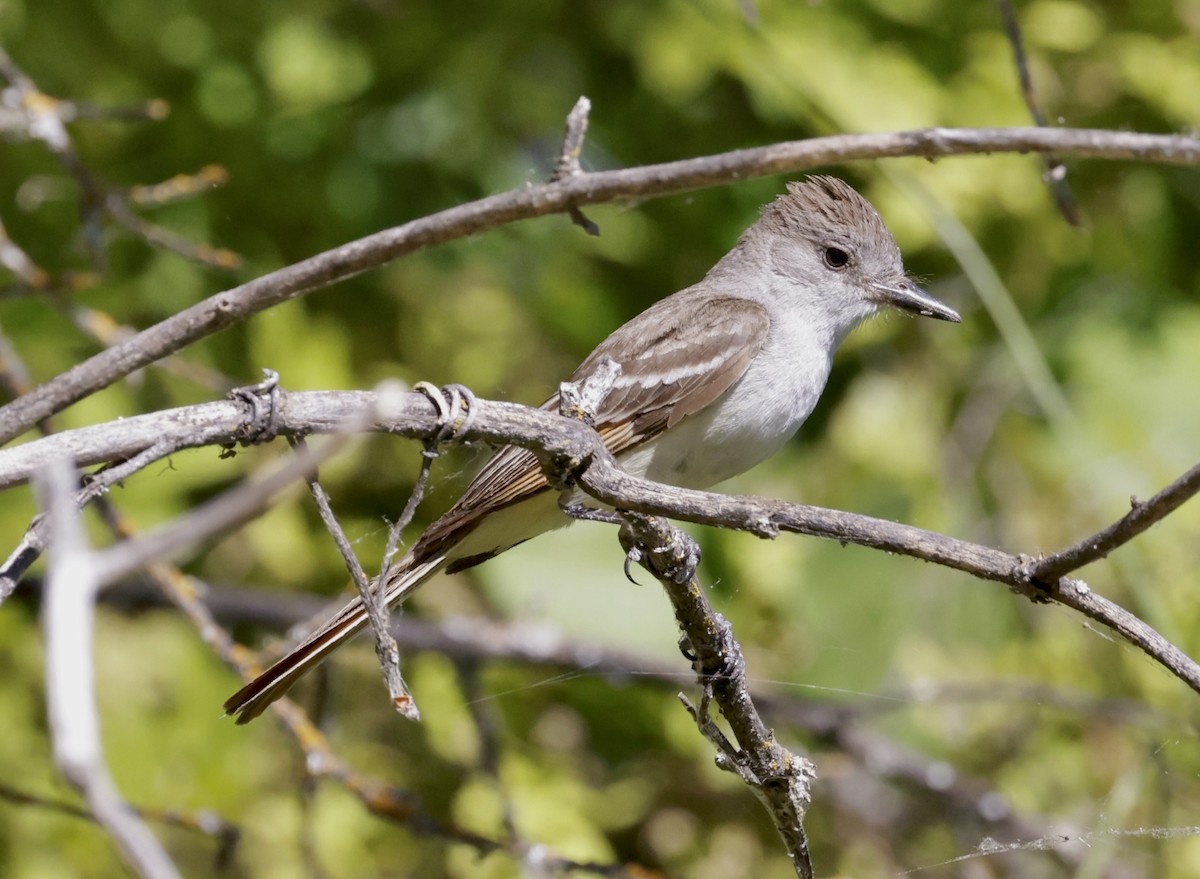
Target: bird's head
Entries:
(825, 239)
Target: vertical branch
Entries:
(779, 778)
(371, 593)
(69, 611)
(1055, 173)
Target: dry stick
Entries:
(232, 306)
(17, 261)
(784, 801)
(44, 118)
(68, 618)
(224, 833)
(568, 159)
(470, 642)
(1142, 515)
(235, 507)
(33, 543)
(320, 760)
(1055, 174)
(780, 779)
(570, 444)
(378, 797)
(116, 206)
(377, 612)
(766, 518)
(104, 329)
(218, 423)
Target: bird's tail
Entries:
(252, 699)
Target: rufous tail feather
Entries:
(252, 699)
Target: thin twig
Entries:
(1142, 515)
(471, 642)
(577, 123)
(381, 798)
(568, 160)
(233, 508)
(1055, 172)
(179, 187)
(377, 612)
(17, 261)
(225, 833)
(33, 114)
(116, 206)
(33, 543)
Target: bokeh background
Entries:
(1071, 385)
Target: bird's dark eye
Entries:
(836, 258)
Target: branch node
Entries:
(579, 400)
(584, 513)
(664, 550)
(1025, 580)
(764, 527)
(577, 123)
(568, 160)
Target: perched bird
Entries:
(713, 380)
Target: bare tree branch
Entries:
(1142, 515)
(381, 798)
(568, 159)
(224, 833)
(780, 779)
(232, 306)
(1055, 173)
(472, 641)
(35, 115)
(372, 593)
(70, 682)
(567, 445)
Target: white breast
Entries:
(755, 417)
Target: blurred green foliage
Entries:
(334, 120)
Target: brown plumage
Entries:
(713, 379)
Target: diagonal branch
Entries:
(232, 306)
(1142, 515)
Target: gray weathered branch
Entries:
(569, 446)
(225, 309)
(781, 780)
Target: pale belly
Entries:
(751, 423)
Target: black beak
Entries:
(907, 296)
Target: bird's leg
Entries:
(584, 513)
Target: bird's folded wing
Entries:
(676, 358)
